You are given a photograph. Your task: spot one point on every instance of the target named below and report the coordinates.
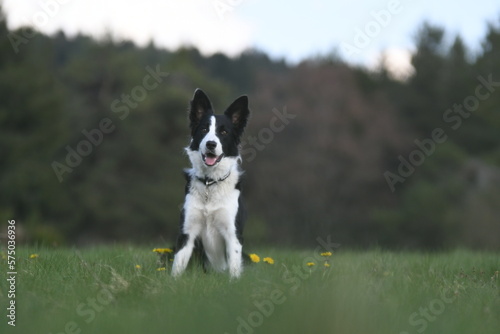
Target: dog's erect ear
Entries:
(199, 106)
(238, 112)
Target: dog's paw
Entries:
(235, 272)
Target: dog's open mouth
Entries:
(211, 159)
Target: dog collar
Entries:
(209, 181)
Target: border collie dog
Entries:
(212, 216)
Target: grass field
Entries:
(101, 290)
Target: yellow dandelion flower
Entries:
(255, 258)
(161, 269)
(34, 256)
(310, 264)
(327, 264)
(268, 260)
(137, 266)
(326, 254)
(162, 250)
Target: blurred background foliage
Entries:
(321, 174)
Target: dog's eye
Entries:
(204, 130)
(223, 132)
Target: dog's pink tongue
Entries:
(210, 161)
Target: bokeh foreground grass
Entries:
(119, 290)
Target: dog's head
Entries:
(215, 138)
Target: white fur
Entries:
(211, 136)
(210, 212)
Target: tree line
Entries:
(92, 135)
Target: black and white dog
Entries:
(212, 217)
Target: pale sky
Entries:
(360, 30)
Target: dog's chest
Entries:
(209, 199)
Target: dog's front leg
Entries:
(190, 230)
(183, 255)
(233, 252)
(191, 225)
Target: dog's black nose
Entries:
(211, 145)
